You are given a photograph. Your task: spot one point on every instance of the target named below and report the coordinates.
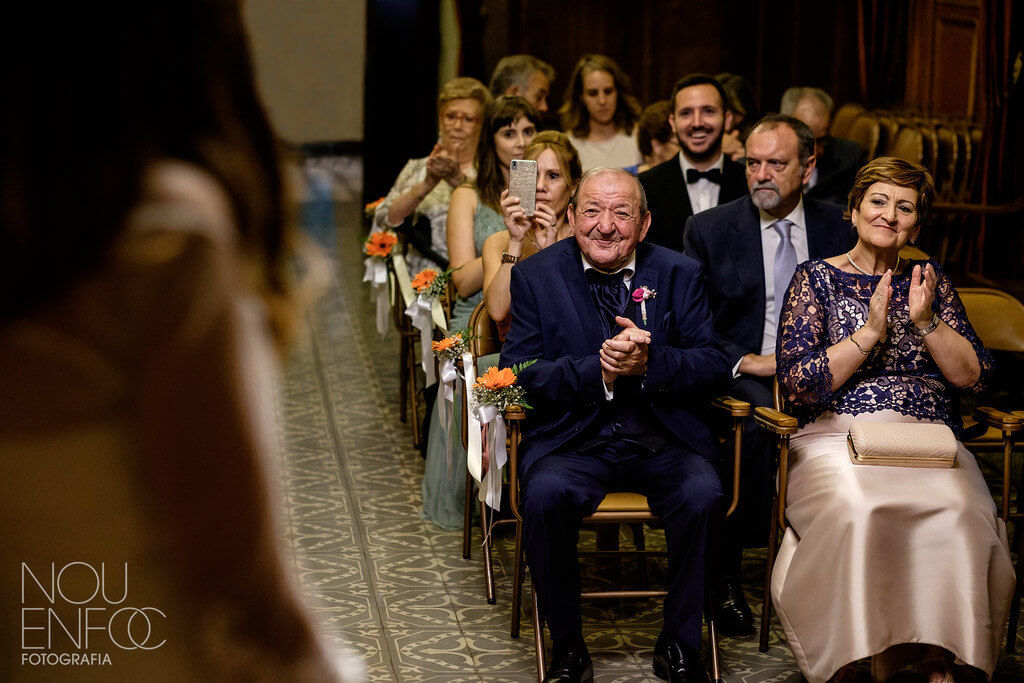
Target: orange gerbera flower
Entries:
(496, 379)
(446, 343)
(380, 243)
(423, 279)
(372, 206)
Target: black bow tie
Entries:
(610, 295)
(714, 175)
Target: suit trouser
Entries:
(749, 524)
(561, 489)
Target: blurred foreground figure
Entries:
(142, 292)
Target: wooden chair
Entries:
(998, 318)
(887, 129)
(485, 342)
(616, 508)
(865, 131)
(947, 160)
(844, 118)
(990, 311)
(408, 390)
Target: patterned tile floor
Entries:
(393, 589)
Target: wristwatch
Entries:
(508, 258)
(930, 327)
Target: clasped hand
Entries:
(626, 352)
(920, 297)
(442, 165)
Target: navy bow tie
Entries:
(610, 295)
(714, 175)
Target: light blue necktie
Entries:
(785, 263)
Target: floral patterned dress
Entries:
(875, 556)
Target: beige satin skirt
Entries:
(877, 556)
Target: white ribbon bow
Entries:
(490, 488)
(419, 311)
(446, 407)
(474, 454)
(377, 275)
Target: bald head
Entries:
(620, 172)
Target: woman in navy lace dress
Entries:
(900, 564)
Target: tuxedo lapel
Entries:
(582, 300)
(645, 276)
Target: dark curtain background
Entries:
(999, 175)
(882, 51)
(403, 43)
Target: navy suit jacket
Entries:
(555, 321)
(727, 241)
(669, 201)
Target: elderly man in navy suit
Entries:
(749, 249)
(618, 389)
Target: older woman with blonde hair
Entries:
(905, 565)
(425, 185)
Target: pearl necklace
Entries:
(854, 264)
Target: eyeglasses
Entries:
(620, 215)
(452, 118)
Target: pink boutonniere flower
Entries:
(641, 295)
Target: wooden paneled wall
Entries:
(945, 73)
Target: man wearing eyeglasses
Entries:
(625, 359)
(838, 159)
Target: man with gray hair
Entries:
(838, 159)
(618, 385)
(749, 249)
(526, 76)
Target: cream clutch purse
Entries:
(902, 444)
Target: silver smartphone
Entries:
(522, 183)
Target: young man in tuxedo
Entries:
(618, 389)
(700, 177)
(749, 249)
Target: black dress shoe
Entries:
(732, 613)
(678, 663)
(570, 664)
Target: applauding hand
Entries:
(922, 295)
(878, 307)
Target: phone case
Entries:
(522, 183)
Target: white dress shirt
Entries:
(703, 193)
(627, 279)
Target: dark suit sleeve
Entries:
(698, 362)
(695, 248)
(569, 378)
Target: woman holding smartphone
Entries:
(474, 215)
(558, 172)
(599, 114)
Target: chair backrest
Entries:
(887, 128)
(844, 118)
(997, 317)
(865, 131)
(485, 331)
(908, 144)
(946, 163)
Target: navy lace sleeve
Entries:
(824, 305)
(802, 366)
(950, 308)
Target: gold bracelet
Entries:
(859, 347)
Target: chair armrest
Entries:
(732, 406)
(514, 416)
(775, 421)
(1007, 423)
(739, 411)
